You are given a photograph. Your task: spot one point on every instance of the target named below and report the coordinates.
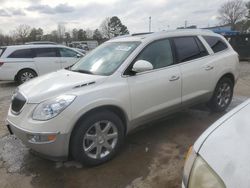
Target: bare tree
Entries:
(105, 29)
(89, 33)
(232, 12)
(22, 32)
(61, 29)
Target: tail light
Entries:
(1, 63)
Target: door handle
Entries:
(209, 67)
(174, 78)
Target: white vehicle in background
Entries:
(24, 62)
(219, 158)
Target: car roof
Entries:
(26, 46)
(155, 35)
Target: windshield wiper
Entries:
(82, 71)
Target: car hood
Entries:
(226, 147)
(56, 83)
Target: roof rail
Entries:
(145, 33)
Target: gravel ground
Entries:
(151, 157)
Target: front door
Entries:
(68, 57)
(154, 92)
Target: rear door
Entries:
(68, 57)
(196, 69)
(47, 60)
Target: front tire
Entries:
(222, 96)
(97, 138)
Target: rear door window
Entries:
(46, 52)
(216, 43)
(23, 53)
(188, 48)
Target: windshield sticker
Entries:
(123, 48)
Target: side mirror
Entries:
(141, 66)
(78, 56)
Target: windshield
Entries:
(105, 59)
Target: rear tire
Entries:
(25, 75)
(97, 138)
(222, 96)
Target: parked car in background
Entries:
(80, 50)
(86, 111)
(219, 158)
(24, 62)
(41, 42)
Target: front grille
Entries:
(18, 102)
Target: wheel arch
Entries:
(25, 69)
(112, 108)
(228, 75)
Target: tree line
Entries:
(109, 28)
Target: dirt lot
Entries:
(151, 157)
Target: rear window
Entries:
(189, 48)
(2, 51)
(23, 53)
(46, 52)
(216, 43)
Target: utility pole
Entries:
(185, 23)
(149, 24)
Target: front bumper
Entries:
(56, 149)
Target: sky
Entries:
(88, 14)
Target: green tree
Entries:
(116, 26)
(82, 35)
(35, 34)
(74, 34)
(97, 35)
(112, 27)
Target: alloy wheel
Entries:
(100, 139)
(26, 76)
(224, 95)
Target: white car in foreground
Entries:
(87, 110)
(24, 62)
(219, 158)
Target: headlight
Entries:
(203, 176)
(51, 108)
(189, 161)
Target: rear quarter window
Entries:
(216, 43)
(23, 53)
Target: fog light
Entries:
(39, 138)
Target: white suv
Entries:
(86, 111)
(23, 62)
